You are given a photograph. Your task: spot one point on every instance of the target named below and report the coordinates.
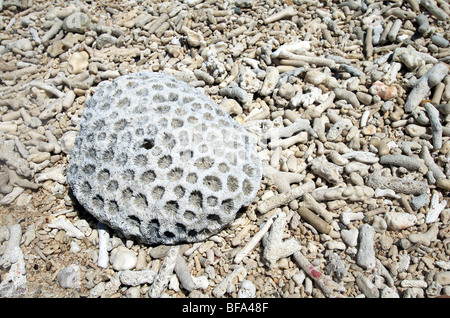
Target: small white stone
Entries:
(315, 77)
(366, 254)
(388, 292)
(201, 282)
(335, 245)
(174, 284)
(299, 278)
(350, 237)
(348, 217)
(386, 193)
(329, 171)
(74, 247)
(247, 289)
(78, 62)
(271, 80)
(134, 292)
(84, 227)
(399, 220)
(442, 278)
(24, 199)
(379, 224)
(249, 82)
(367, 287)
(122, 259)
(69, 277)
(67, 141)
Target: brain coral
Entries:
(159, 161)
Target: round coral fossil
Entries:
(159, 161)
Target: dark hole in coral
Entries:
(98, 202)
(189, 215)
(148, 176)
(134, 219)
(153, 228)
(113, 207)
(181, 227)
(148, 144)
(127, 194)
(169, 234)
(141, 201)
(213, 217)
(196, 199)
(227, 205)
(204, 232)
(164, 162)
(171, 207)
(192, 233)
(112, 185)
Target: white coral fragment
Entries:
(274, 246)
(436, 208)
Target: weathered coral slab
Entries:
(158, 160)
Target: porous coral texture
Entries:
(158, 160)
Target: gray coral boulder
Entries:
(159, 161)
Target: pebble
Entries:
(67, 141)
(439, 40)
(350, 237)
(399, 220)
(367, 287)
(388, 292)
(246, 289)
(76, 22)
(384, 91)
(442, 278)
(69, 277)
(419, 201)
(137, 277)
(368, 84)
(402, 161)
(78, 62)
(366, 254)
(270, 81)
(122, 258)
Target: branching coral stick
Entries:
(227, 284)
(436, 126)
(355, 193)
(274, 246)
(316, 207)
(325, 283)
(315, 220)
(48, 88)
(255, 239)
(430, 79)
(15, 235)
(285, 197)
(166, 270)
(281, 179)
(103, 238)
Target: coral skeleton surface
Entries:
(158, 160)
